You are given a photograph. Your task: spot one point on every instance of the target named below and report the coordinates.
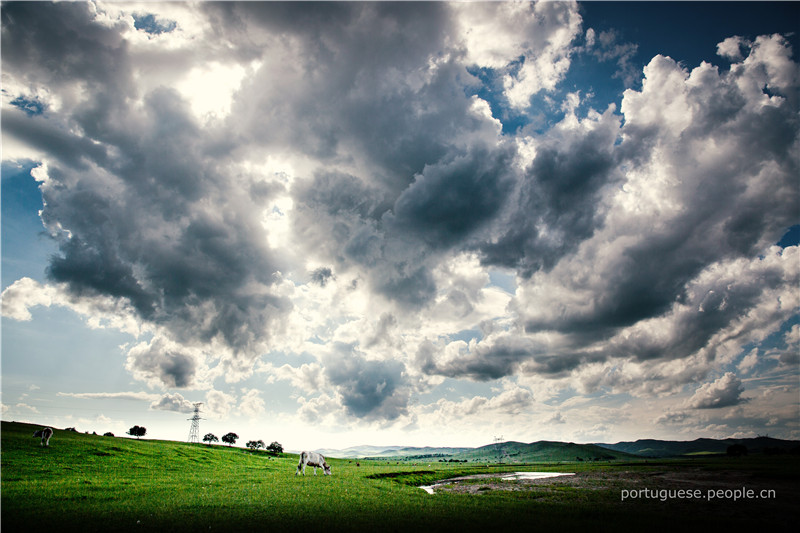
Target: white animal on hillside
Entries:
(312, 459)
(45, 434)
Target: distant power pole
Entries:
(194, 433)
(497, 441)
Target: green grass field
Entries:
(93, 483)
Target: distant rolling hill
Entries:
(519, 452)
(358, 451)
(666, 448)
(427, 451)
(505, 452)
(545, 451)
(390, 451)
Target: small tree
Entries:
(230, 438)
(137, 431)
(108, 434)
(275, 448)
(209, 438)
(256, 444)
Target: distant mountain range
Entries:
(388, 451)
(668, 448)
(519, 452)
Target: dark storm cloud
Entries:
(162, 363)
(358, 85)
(730, 207)
(488, 364)
(321, 276)
(500, 356)
(613, 277)
(96, 268)
(450, 200)
(661, 210)
(338, 212)
(709, 307)
(558, 204)
(60, 43)
(73, 150)
(142, 203)
(339, 193)
(368, 389)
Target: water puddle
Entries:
(514, 476)
(534, 475)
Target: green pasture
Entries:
(94, 483)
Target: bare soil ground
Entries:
(686, 479)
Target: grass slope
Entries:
(542, 451)
(662, 448)
(91, 483)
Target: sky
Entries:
(337, 224)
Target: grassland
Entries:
(93, 483)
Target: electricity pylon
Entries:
(194, 433)
(497, 441)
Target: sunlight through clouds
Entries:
(407, 220)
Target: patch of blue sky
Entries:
(31, 106)
(41, 404)
(70, 352)
(491, 90)
(560, 397)
(455, 390)
(278, 395)
(25, 243)
(604, 69)
(776, 341)
(545, 108)
(506, 280)
(702, 25)
(149, 24)
(466, 335)
(279, 358)
(600, 82)
(791, 237)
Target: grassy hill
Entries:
(90, 483)
(93, 483)
(663, 448)
(358, 451)
(425, 452)
(390, 452)
(509, 452)
(541, 451)
(548, 451)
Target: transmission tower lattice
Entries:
(497, 442)
(194, 432)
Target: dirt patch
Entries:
(616, 481)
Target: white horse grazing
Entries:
(45, 434)
(312, 459)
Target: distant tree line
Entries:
(230, 439)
